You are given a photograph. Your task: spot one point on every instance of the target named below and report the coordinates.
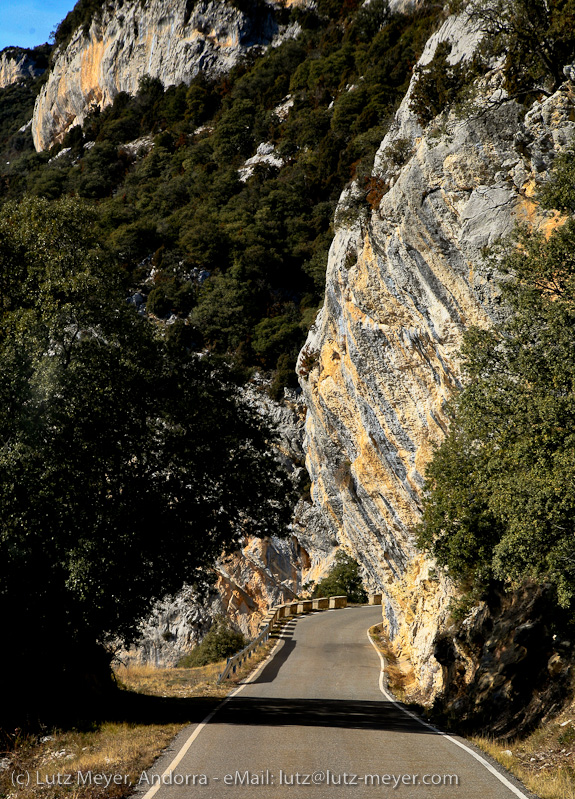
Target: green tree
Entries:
(126, 464)
(344, 578)
(234, 136)
(219, 643)
(439, 84)
(225, 310)
(536, 38)
(501, 489)
(276, 335)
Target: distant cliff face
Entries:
(404, 280)
(262, 574)
(162, 39)
(17, 64)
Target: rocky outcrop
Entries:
(405, 277)
(17, 64)
(262, 574)
(265, 573)
(175, 625)
(172, 41)
(494, 657)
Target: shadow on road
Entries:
(280, 656)
(259, 712)
(266, 712)
(142, 709)
(350, 714)
(272, 669)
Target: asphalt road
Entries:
(315, 723)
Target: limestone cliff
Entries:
(263, 573)
(172, 41)
(404, 279)
(17, 64)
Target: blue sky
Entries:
(26, 23)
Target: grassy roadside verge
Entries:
(399, 673)
(543, 761)
(106, 761)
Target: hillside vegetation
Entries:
(240, 254)
(197, 218)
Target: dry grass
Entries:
(201, 681)
(545, 760)
(119, 751)
(399, 673)
(554, 782)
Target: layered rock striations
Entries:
(406, 276)
(172, 41)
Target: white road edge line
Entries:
(453, 740)
(179, 757)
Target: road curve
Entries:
(314, 723)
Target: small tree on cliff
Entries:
(343, 579)
(535, 38)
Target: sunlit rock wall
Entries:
(164, 39)
(405, 277)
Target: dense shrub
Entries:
(500, 502)
(111, 431)
(219, 643)
(344, 578)
(439, 84)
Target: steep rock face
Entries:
(17, 65)
(404, 279)
(172, 41)
(263, 573)
(175, 625)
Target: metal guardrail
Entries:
(280, 612)
(240, 658)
